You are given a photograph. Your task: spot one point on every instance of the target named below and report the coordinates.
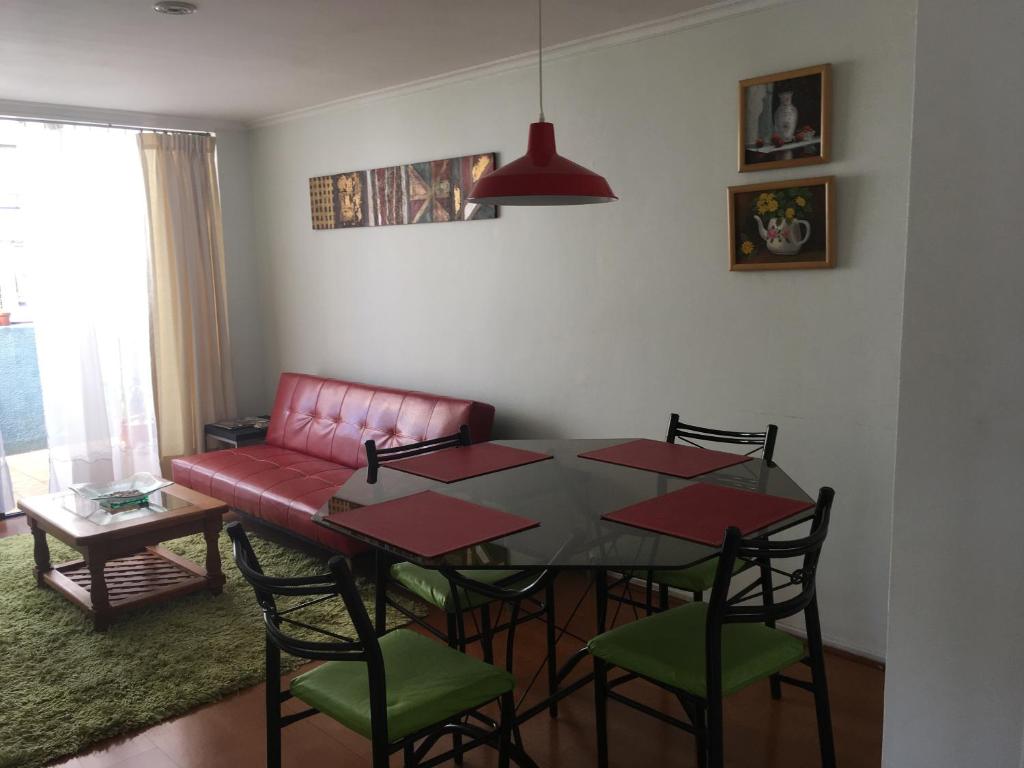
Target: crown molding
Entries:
(686, 20)
(31, 110)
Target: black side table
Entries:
(236, 437)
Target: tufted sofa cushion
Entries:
(315, 442)
(281, 487)
(332, 419)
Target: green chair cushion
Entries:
(427, 683)
(669, 648)
(432, 585)
(696, 578)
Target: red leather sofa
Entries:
(315, 442)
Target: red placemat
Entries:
(665, 458)
(464, 462)
(430, 524)
(701, 512)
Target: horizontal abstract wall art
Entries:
(417, 193)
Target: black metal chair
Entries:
(698, 578)
(703, 652)
(472, 597)
(402, 691)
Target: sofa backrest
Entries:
(332, 419)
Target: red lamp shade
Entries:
(541, 177)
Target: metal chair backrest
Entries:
(376, 456)
(694, 435)
(747, 605)
(282, 623)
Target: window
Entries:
(13, 281)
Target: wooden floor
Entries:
(759, 731)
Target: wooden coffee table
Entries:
(122, 565)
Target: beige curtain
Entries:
(192, 380)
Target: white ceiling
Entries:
(246, 59)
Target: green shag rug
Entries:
(64, 686)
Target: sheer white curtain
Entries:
(6, 489)
(87, 243)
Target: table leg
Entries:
(602, 600)
(380, 596)
(98, 593)
(552, 642)
(561, 689)
(40, 551)
(214, 574)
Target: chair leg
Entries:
(457, 746)
(381, 567)
(824, 714)
(663, 597)
(649, 593)
(381, 757)
(601, 711)
(486, 634)
(452, 631)
(549, 619)
(380, 754)
(508, 714)
(701, 737)
(273, 702)
(699, 722)
(513, 750)
(821, 703)
(715, 731)
(767, 584)
(454, 641)
(698, 596)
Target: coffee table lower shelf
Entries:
(153, 575)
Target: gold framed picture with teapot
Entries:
(782, 225)
(785, 119)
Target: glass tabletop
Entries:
(158, 501)
(567, 495)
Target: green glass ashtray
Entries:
(123, 499)
(122, 494)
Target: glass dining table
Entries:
(567, 495)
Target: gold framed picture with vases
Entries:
(785, 119)
(782, 225)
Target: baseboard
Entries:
(839, 648)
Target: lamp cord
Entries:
(540, 55)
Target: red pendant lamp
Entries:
(541, 176)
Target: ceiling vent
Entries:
(174, 8)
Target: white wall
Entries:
(955, 678)
(245, 306)
(601, 320)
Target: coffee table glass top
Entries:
(86, 520)
(567, 495)
(159, 502)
